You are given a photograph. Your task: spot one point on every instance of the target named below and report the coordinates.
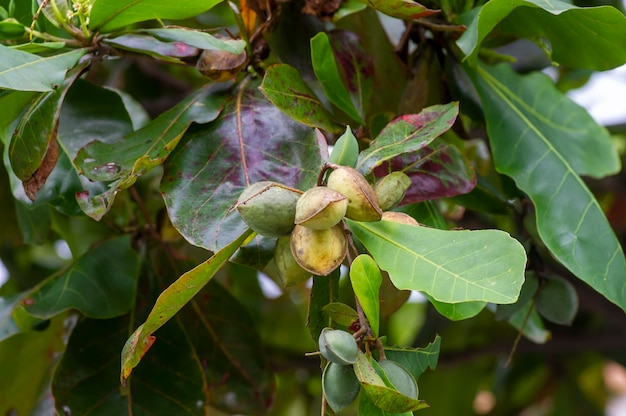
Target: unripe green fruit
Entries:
(320, 207)
(319, 251)
(340, 386)
(269, 208)
(362, 200)
(338, 346)
(289, 270)
(399, 217)
(400, 377)
(390, 189)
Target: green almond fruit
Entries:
(338, 346)
(340, 386)
(400, 377)
(391, 189)
(269, 208)
(321, 207)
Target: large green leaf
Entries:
(285, 88)
(140, 151)
(171, 300)
(86, 380)
(589, 37)
(251, 141)
(408, 133)
(201, 360)
(100, 284)
(544, 142)
(27, 72)
(108, 15)
(451, 266)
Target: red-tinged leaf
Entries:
(435, 171)
(355, 66)
(166, 51)
(251, 141)
(407, 134)
(401, 9)
(171, 301)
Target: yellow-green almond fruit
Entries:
(390, 189)
(362, 200)
(321, 207)
(269, 208)
(319, 251)
(399, 217)
(400, 377)
(289, 270)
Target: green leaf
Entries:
(37, 351)
(346, 149)
(100, 284)
(171, 300)
(33, 151)
(451, 266)
(596, 33)
(529, 322)
(408, 133)
(341, 313)
(557, 300)
(416, 360)
(401, 9)
(544, 141)
(86, 380)
(142, 150)
(251, 140)
(108, 15)
(285, 88)
(8, 326)
(166, 51)
(457, 311)
(325, 291)
(328, 73)
(27, 72)
(39, 47)
(385, 398)
(366, 280)
(200, 40)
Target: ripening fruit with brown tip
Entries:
(362, 200)
(319, 251)
(321, 207)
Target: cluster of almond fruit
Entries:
(308, 225)
(339, 382)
